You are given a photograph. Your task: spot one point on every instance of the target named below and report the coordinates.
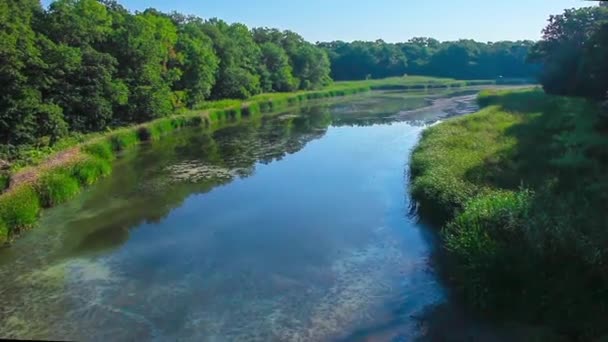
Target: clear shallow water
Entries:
(286, 228)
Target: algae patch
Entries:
(195, 171)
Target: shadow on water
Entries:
(221, 157)
(205, 234)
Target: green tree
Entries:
(24, 115)
(311, 67)
(197, 60)
(278, 75)
(566, 40)
(239, 60)
(144, 45)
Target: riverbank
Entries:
(520, 190)
(47, 176)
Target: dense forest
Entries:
(463, 59)
(88, 65)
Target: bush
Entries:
(123, 139)
(19, 208)
(487, 239)
(90, 169)
(101, 149)
(56, 187)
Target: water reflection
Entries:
(285, 227)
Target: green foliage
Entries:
(123, 139)
(538, 256)
(251, 109)
(101, 148)
(485, 240)
(573, 51)
(277, 73)
(90, 169)
(4, 233)
(464, 59)
(19, 209)
(197, 60)
(5, 180)
(56, 187)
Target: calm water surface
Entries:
(293, 227)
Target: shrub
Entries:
(122, 139)
(90, 169)
(19, 208)
(56, 187)
(487, 240)
(101, 149)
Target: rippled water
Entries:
(293, 227)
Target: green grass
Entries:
(521, 187)
(56, 187)
(414, 82)
(101, 149)
(448, 163)
(4, 233)
(123, 138)
(5, 180)
(90, 169)
(19, 209)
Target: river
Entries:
(290, 227)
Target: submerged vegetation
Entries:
(522, 185)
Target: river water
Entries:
(291, 227)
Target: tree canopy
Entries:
(574, 51)
(464, 59)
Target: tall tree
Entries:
(562, 49)
(24, 115)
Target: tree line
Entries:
(463, 59)
(89, 65)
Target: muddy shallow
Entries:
(286, 228)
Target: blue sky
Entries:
(391, 20)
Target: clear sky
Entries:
(391, 20)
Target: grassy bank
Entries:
(521, 189)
